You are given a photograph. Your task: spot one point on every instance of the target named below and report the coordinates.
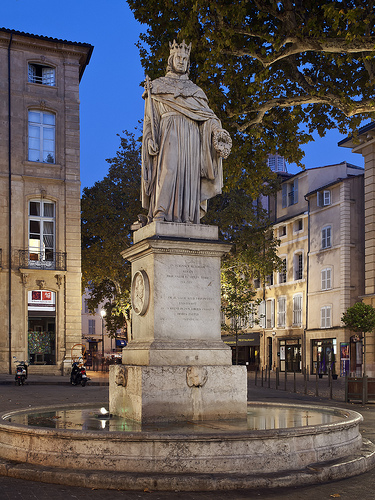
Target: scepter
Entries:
(148, 86)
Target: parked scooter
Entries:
(78, 374)
(21, 371)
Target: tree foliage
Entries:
(359, 318)
(108, 210)
(274, 71)
(237, 294)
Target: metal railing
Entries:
(30, 259)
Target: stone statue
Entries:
(183, 145)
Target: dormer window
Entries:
(39, 73)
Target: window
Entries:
(282, 231)
(298, 266)
(38, 73)
(41, 233)
(262, 314)
(86, 306)
(270, 313)
(91, 327)
(289, 193)
(325, 317)
(281, 310)
(297, 310)
(269, 280)
(326, 275)
(298, 225)
(282, 273)
(326, 237)
(324, 198)
(41, 136)
(257, 282)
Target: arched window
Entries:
(41, 136)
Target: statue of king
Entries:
(183, 145)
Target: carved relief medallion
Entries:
(140, 292)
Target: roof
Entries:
(349, 142)
(87, 46)
(349, 165)
(332, 183)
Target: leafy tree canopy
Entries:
(274, 71)
(359, 318)
(108, 210)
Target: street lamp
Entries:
(102, 314)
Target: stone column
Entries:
(176, 367)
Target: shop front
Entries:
(324, 352)
(42, 327)
(290, 355)
(248, 345)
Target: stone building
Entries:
(364, 144)
(318, 218)
(40, 278)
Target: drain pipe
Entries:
(10, 212)
(307, 283)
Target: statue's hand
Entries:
(153, 148)
(222, 142)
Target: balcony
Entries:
(45, 260)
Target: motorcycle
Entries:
(78, 374)
(21, 371)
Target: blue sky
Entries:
(110, 91)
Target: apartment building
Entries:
(40, 273)
(318, 220)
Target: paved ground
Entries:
(56, 390)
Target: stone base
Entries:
(178, 393)
(174, 353)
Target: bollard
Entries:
(305, 384)
(269, 377)
(285, 379)
(329, 377)
(277, 378)
(316, 383)
(307, 372)
(330, 385)
(294, 381)
(262, 376)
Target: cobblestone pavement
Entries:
(38, 393)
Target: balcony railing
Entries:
(31, 259)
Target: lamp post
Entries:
(102, 314)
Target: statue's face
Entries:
(180, 62)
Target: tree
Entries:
(360, 318)
(274, 71)
(237, 295)
(108, 210)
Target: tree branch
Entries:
(349, 109)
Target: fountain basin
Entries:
(277, 442)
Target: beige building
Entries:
(364, 144)
(319, 222)
(40, 278)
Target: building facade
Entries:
(40, 278)
(318, 219)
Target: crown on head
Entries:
(174, 47)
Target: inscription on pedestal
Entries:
(190, 295)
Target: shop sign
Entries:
(41, 300)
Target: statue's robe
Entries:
(187, 171)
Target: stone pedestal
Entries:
(176, 366)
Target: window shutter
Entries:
(295, 191)
(284, 193)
